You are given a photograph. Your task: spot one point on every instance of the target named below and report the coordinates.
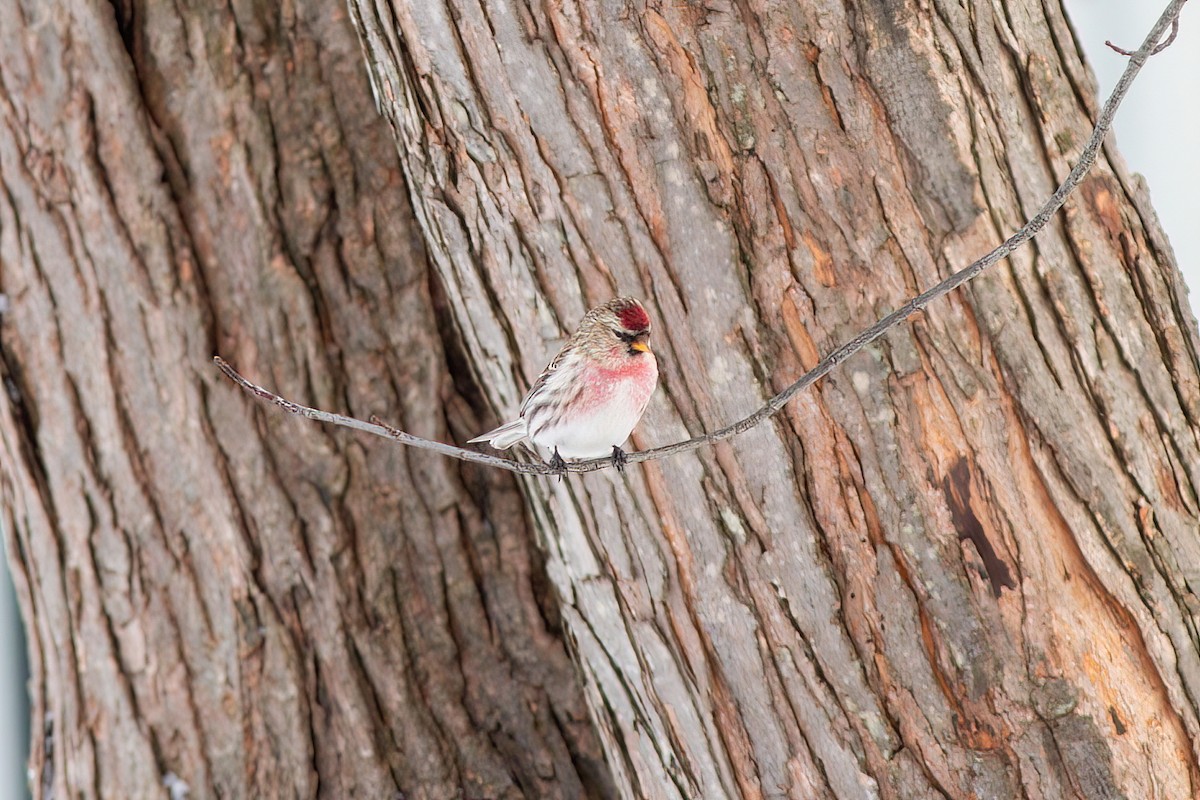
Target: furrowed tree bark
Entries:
(964, 565)
(217, 598)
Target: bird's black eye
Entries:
(625, 336)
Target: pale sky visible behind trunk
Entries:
(1158, 126)
(1158, 132)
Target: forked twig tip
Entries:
(1158, 48)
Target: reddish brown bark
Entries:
(960, 567)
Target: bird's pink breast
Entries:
(638, 378)
(607, 402)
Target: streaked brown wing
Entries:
(540, 383)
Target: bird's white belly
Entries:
(607, 423)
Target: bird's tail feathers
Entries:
(505, 436)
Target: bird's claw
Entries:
(558, 465)
(619, 459)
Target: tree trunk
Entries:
(962, 566)
(217, 595)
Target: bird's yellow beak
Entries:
(641, 347)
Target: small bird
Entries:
(586, 402)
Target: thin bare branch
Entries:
(1163, 45)
(378, 428)
(1153, 44)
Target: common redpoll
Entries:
(586, 402)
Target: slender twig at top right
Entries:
(1163, 45)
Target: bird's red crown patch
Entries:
(633, 318)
